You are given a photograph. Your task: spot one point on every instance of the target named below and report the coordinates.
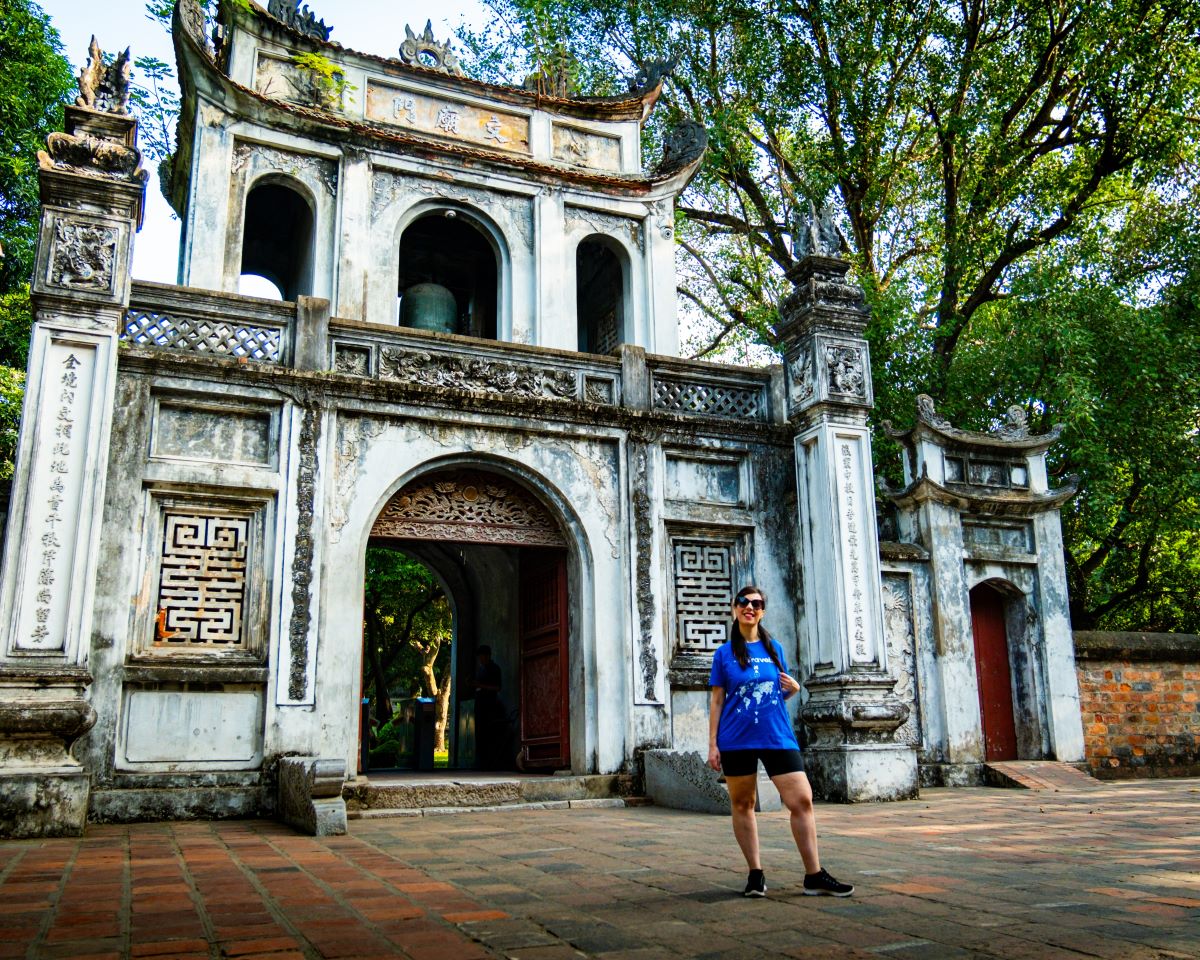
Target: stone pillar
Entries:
(92, 190)
(851, 709)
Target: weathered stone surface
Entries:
(43, 803)
(310, 795)
(685, 781)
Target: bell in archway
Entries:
(429, 306)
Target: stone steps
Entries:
(429, 795)
(1037, 775)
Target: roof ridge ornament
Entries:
(652, 73)
(105, 87)
(299, 18)
(816, 234)
(425, 51)
(684, 142)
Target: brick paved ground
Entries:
(1110, 871)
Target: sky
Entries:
(370, 26)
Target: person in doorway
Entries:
(489, 712)
(748, 722)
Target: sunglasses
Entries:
(747, 602)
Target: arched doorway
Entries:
(600, 295)
(502, 558)
(993, 673)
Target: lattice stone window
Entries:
(704, 584)
(708, 399)
(208, 578)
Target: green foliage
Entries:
(1002, 173)
(12, 393)
(325, 83)
(16, 321)
(35, 82)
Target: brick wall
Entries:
(1139, 694)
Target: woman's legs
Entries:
(742, 795)
(796, 794)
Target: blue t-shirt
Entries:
(754, 717)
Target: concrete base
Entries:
(43, 803)
(858, 773)
(685, 781)
(951, 775)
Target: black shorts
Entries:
(744, 763)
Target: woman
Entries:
(748, 722)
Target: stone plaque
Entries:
(704, 481)
(583, 148)
(193, 727)
(227, 436)
(420, 112)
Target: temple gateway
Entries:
(475, 360)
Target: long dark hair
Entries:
(738, 643)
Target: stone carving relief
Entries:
(354, 433)
(902, 651)
(515, 211)
(468, 505)
(644, 531)
(202, 582)
(593, 221)
(302, 560)
(465, 373)
(103, 86)
(83, 255)
(302, 166)
(425, 51)
(926, 412)
(91, 155)
(663, 212)
(800, 376)
(703, 572)
(355, 361)
(299, 18)
(847, 371)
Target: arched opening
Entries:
(408, 664)
(599, 296)
(277, 239)
(993, 672)
(448, 276)
(500, 559)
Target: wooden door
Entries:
(993, 674)
(545, 724)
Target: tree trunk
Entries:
(441, 712)
(383, 702)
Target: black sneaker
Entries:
(821, 884)
(756, 885)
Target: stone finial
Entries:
(927, 413)
(815, 234)
(1016, 423)
(105, 87)
(425, 51)
(299, 18)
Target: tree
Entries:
(407, 626)
(983, 159)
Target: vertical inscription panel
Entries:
(202, 582)
(53, 520)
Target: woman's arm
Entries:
(716, 701)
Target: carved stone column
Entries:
(92, 191)
(851, 709)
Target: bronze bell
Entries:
(429, 306)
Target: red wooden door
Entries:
(993, 674)
(545, 728)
